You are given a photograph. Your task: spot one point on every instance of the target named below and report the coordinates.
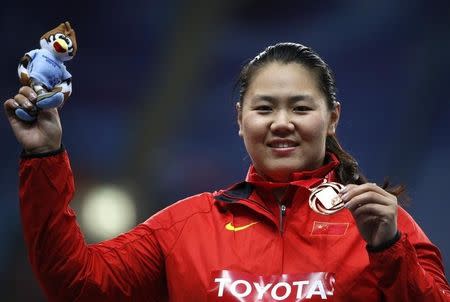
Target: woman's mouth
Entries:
(282, 144)
(282, 147)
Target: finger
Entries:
(379, 189)
(372, 211)
(353, 190)
(367, 197)
(23, 101)
(10, 106)
(28, 92)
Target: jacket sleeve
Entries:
(127, 268)
(411, 269)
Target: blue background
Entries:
(153, 101)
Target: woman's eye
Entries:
(263, 108)
(302, 108)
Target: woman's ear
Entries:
(334, 118)
(239, 117)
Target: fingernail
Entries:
(28, 104)
(343, 191)
(16, 104)
(344, 197)
(33, 95)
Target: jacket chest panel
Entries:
(315, 242)
(225, 243)
(249, 243)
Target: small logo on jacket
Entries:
(230, 227)
(329, 228)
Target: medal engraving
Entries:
(328, 197)
(324, 199)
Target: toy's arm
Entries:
(66, 88)
(22, 70)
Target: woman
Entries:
(258, 240)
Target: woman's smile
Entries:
(282, 147)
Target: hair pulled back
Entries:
(348, 171)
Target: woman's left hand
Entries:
(374, 210)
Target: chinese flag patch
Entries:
(329, 228)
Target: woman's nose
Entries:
(282, 123)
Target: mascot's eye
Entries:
(69, 42)
(59, 36)
(51, 38)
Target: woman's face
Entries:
(284, 120)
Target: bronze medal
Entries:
(324, 199)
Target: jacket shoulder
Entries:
(182, 210)
(168, 224)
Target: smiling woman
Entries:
(284, 120)
(259, 239)
(310, 79)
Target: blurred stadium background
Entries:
(151, 119)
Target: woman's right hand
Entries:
(42, 135)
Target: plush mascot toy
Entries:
(44, 70)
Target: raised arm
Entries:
(127, 268)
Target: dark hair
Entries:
(348, 172)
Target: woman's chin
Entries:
(282, 171)
(280, 174)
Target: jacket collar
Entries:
(256, 192)
(305, 179)
(299, 179)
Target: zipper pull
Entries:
(282, 214)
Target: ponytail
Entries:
(348, 171)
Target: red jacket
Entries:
(231, 245)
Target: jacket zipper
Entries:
(249, 200)
(282, 215)
(237, 199)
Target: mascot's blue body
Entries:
(46, 68)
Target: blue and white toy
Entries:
(44, 70)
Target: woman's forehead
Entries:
(278, 80)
